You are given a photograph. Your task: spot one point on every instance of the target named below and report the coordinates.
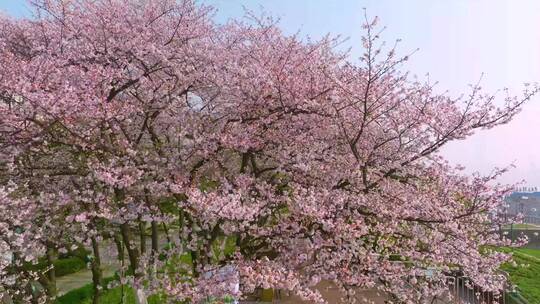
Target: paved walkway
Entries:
(109, 264)
(79, 279)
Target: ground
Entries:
(525, 274)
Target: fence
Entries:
(464, 291)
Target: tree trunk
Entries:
(142, 235)
(133, 253)
(166, 232)
(51, 273)
(97, 275)
(155, 237)
(180, 224)
(119, 247)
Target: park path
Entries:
(109, 264)
(79, 279)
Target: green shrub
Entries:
(79, 252)
(67, 266)
(62, 266)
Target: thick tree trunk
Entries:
(194, 252)
(133, 253)
(97, 275)
(194, 262)
(155, 237)
(180, 223)
(119, 247)
(166, 230)
(133, 256)
(142, 235)
(50, 285)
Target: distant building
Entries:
(524, 202)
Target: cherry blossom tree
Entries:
(118, 114)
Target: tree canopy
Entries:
(119, 113)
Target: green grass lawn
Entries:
(521, 226)
(528, 251)
(526, 275)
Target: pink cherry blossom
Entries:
(119, 113)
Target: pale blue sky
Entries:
(458, 41)
(14, 7)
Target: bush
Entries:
(62, 266)
(79, 252)
(69, 265)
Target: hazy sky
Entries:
(458, 40)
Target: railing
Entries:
(526, 219)
(464, 291)
(461, 290)
(530, 219)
